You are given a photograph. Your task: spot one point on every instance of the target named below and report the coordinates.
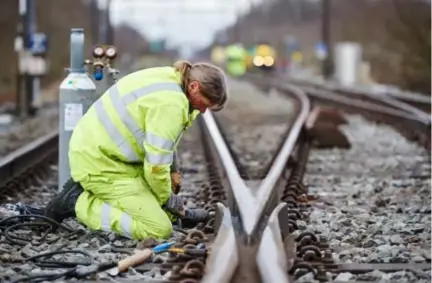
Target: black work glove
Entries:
(175, 205)
(196, 215)
(192, 217)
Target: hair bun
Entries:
(182, 66)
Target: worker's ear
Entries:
(193, 87)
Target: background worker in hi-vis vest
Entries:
(123, 148)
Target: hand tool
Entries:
(139, 258)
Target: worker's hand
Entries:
(196, 214)
(175, 205)
(175, 182)
(192, 217)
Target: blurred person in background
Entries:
(122, 152)
(236, 60)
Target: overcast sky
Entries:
(189, 23)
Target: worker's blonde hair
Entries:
(212, 81)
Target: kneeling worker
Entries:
(122, 149)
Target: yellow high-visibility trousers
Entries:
(122, 205)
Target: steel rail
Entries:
(328, 94)
(411, 96)
(242, 193)
(423, 98)
(390, 98)
(355, 103)
(224, 247)
(251, 207)
(273, 262)
(265, 190)
(19, 161)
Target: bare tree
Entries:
(395, 34)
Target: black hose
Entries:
(44, 277)
(33, 218)
(23, 241)
(9, 224)
(73, 267)
(57, 263)
(76, 269)
(49, 220)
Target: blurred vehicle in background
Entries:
(263, 57)
(218, 56)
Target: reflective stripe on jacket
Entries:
(133, 129)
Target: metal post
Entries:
(94, 17)
(77, 94)
(103, 22)
(20, 109)
(325, 33)
(29, 30)
(110, 31)
(23, 42)
(31, 48)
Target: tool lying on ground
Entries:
(84, 268)
(139, 258)
(191, 252)
(146, 254)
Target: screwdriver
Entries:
(189, 251)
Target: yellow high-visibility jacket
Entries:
(132, 130)
(236, 60)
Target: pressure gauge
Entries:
(111, 52)
(98, 52)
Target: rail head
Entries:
(223, 260)
(266, 188)
(249, 206)
(273, 260)
(242, 193)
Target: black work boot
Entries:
(62, 205)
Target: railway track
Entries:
(265, 228)
(408, 112)
(19, 133)
(210, 190)
(417, 100)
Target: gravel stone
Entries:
(373, 205)
(345, 276)
(20, 133)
